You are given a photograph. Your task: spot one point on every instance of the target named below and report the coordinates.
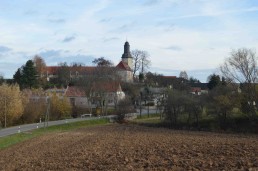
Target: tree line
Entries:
(18, 104)
(231, 103)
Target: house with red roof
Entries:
(196, 90)
(108, 94)
(74, 72)
(77, 96)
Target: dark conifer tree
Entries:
(214, 80)
(29, 75)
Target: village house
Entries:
(199, 88)
(77, 96)
(107, 94)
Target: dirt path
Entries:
(131, 147)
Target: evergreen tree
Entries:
(214, 81)
(141, 77)
(17, 76)
(29, 75)
(223, 81)
(1, 79)
(193, 80)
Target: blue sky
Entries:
(191, 35)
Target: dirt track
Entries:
(131, 147)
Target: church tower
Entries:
(126, 57)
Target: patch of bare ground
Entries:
(133, 147)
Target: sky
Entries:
(191, 35)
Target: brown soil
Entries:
(132, 147)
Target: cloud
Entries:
(8, 69)
(50, 53)
(110, 39)
(213, 13)
(203, 74)
(105, 20)
(125, 27)
(170, 27)
(174, 48)
(54, 57)
(11, 61)
(30, 12)
(151, 2)
(69, 38)
(85, 59)
(57, 20)
(4, 49)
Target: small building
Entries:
(196, 90)
(108, 94)
(199, 88)
(77, 96)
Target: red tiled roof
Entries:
(107, 87)
(196, 89)
(169, 76)
(54, 69)
(122, 65)
(73, 91)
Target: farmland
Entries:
(132, 147)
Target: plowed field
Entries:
(132, 147)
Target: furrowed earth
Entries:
(133, 147)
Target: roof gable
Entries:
(74, 91)
(81, 69)
(107, 86)
(123, 66)
(196, 89)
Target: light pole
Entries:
(140, 104)
(5, 112)
(47, 112)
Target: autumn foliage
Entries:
(60, 107)
(34, 108)
(11, 105)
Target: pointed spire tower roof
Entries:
(126, 53)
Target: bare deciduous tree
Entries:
(183, 74)
(141, 61)
(40, 66)
(102, 62)
(136, 57)
(34, 108)
(174, 106)
(241, 67)
(63, 74)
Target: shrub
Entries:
(123, 107)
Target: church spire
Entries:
(127, 53)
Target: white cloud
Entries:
(179, 35)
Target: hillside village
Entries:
(119, 74)
(128, 87)
(112, 88)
